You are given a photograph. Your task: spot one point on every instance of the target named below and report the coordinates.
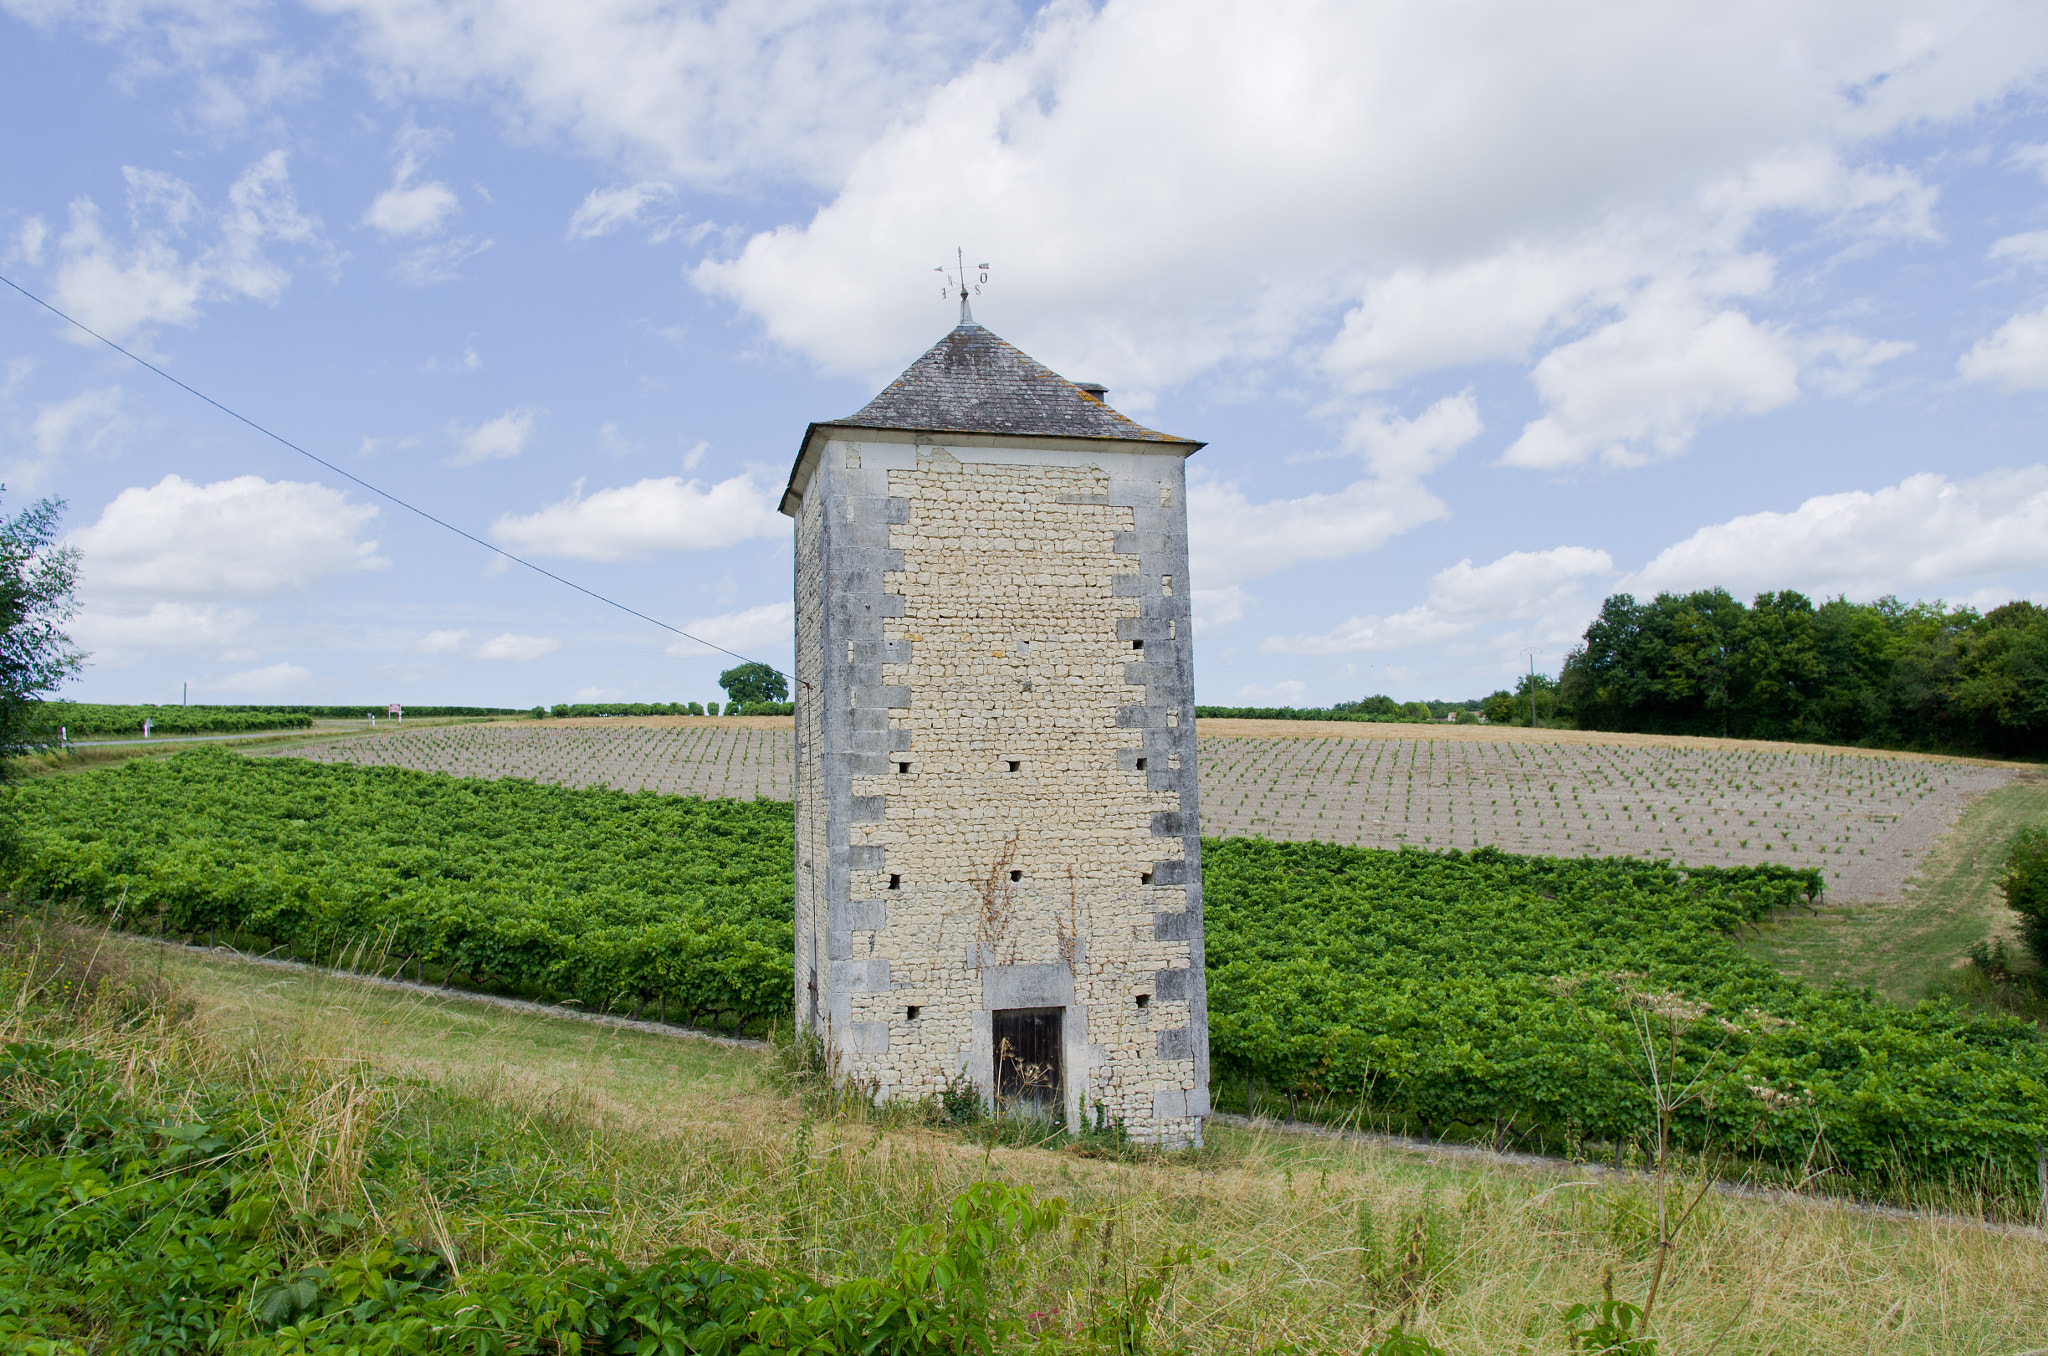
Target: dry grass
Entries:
(695, 1143)
(1907, 944)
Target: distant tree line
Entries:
(1885, 674)
(45, 721)
(751, 689)
(565, 710)
(1378, 708)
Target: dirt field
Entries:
(746, 757)
(1866, 819)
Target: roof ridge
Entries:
(975, 381)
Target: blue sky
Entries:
(1486, 311)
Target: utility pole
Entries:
(1532, 687)
(186, 700)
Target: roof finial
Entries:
(958, 274)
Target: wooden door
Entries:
(1028, 1068)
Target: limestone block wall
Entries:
(996, 768)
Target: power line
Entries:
(386, 494)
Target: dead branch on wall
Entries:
(1069, 928)
(998, 904)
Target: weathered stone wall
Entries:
(813, 852)
(1020, 826)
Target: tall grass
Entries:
(389, 1124)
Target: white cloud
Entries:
(90, 423)
(1915, 538)
(1489, 309)
(438, 263)
(1141, 237)
(2034, 157)
(229, 50)
(122, 632)
(408, 208)
(597, 694)
(605, 210)
(273, 681)
(1231, 539)
(28, 241)
(442, 642)
(517, 649)
(1640, 388)
(1539, 589)
(2014, 356)
(413, 209)
(505, 436)
(240, 538)
(123, 291)
(643, 519)
(2028, 248)
(1217, 607)
(1409, 449)
(768, 628)
(704, 93)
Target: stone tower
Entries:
(998, 861)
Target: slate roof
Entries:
(973, 382)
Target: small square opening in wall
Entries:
(911, 1012)
(903, 769)
(1145, 879)
(1141, 765)
(1016, 875)
(896, 882)
(1013, 764)
(1144, 1001)
(1137, 644)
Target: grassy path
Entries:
(1901, 947)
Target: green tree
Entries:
(754, 683)
(37, 579)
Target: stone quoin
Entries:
(998, 861)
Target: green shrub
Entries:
(170, 1227)
(2026, 887)
(629, 900)
(1490, 995)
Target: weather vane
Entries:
(958, 276)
